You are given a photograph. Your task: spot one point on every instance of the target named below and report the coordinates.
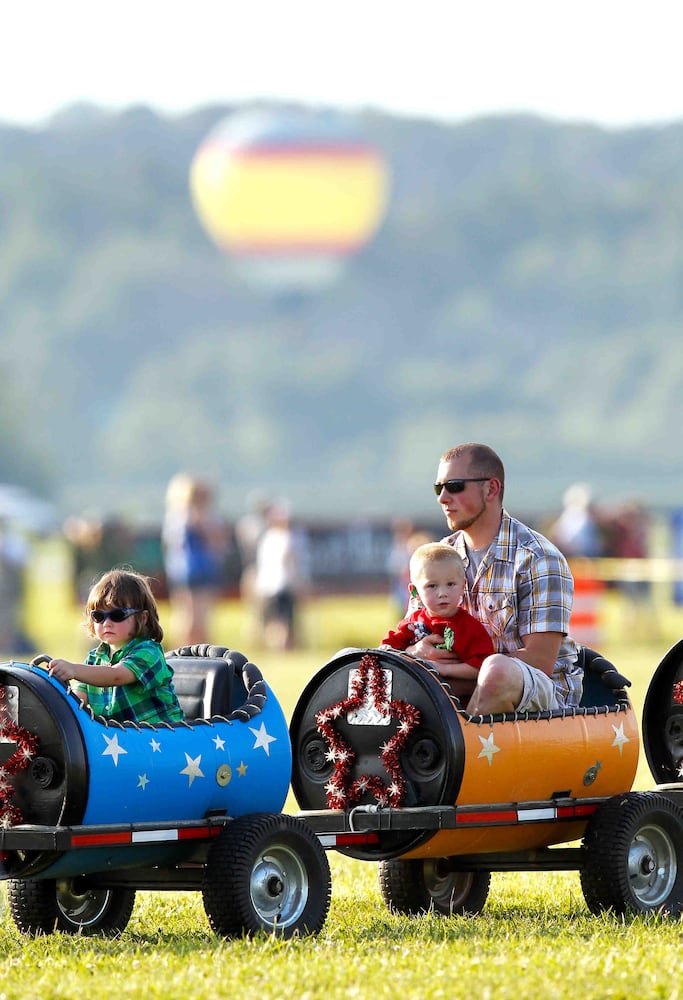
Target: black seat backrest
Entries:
(602, 682)
(208, 680)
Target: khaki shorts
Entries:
(540, 693)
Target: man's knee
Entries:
(500, 677)
(497, 669)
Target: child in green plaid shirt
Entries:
(126, 676)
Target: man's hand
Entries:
(444, 661)
(461, 677)
(430, 648)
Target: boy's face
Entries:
(440, 586)
(117, 634)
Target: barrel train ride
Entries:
(388, 767)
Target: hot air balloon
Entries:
(289, 196)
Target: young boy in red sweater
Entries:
(437, 574)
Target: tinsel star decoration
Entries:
(368, 685)
(678, 692)
(26, 745)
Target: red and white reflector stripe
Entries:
(124, 837)
(522, 814)
(346, 839)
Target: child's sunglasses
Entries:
(116, 615)
(457, 485)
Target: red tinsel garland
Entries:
(678, 692)
(26, 746)
(340, 790)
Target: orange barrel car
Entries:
(387, 766)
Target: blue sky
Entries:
(614, 63)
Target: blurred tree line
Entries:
(526, 289)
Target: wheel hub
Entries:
(647, 865)
(279, 886)
(275, 886)
(652, 866)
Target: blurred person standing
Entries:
(249, 530)
(194, 542)
(281, 577)
(398, 563)
(14, 556)
(96, 544)
(629, 539)
(576, 532)
(405, 540)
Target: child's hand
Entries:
(61, 669)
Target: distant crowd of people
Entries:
(272, 558)
(271, 554)
(196, 556)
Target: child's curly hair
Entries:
(124, 588)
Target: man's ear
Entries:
(493, 489)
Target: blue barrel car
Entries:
(91, 811)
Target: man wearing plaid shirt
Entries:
(518, 585)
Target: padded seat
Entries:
(207, 680)
(602, 682)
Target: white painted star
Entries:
(488, 748)
(155, 745)
(263, 740)
(113, 749)
(219, 743)
(619, 738)
(143, 781)
(192, 769)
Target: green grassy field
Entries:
(534, 938)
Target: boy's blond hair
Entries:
(433, 552)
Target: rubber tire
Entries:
(266, 872)
(416, 887)
(93, 911)
(633, 848)
(42, 906)
(32, 905)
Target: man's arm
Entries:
(540, 650)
